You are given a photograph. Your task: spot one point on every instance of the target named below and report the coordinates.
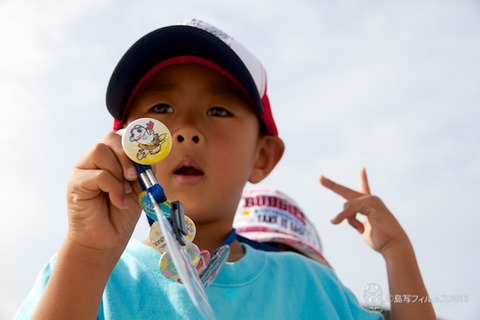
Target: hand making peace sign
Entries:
(379, 229)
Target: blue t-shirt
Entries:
(261, 285)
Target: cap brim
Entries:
(166, 43)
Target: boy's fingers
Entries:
(356, 224)
(129, 170)
(91, 183)
(101, 157)
(109, 155)
(362, 205)
(364, 187)
(343, 191)
(352, 220)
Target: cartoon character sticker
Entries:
(147, 141)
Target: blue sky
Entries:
(390, 85)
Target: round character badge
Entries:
(167, 266)
(158, 240)
(146, 141)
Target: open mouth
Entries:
(188, 171)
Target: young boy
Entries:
(211, 93)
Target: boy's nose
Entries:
(194, 138)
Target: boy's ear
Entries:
(269, 153)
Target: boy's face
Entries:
(216, 140)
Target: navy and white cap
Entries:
(192, 41)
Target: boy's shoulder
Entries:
(278, 276)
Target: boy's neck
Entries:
(210, 237)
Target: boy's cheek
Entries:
(160, 171)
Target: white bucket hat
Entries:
(268, 215)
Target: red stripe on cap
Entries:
(267, 116)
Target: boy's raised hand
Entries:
(103, 208)
(102, 213)
(384, 234)
(380, 229)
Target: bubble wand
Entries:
(147, 141)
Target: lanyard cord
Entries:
(232, 235)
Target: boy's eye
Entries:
(218, 112)
(162, 108)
